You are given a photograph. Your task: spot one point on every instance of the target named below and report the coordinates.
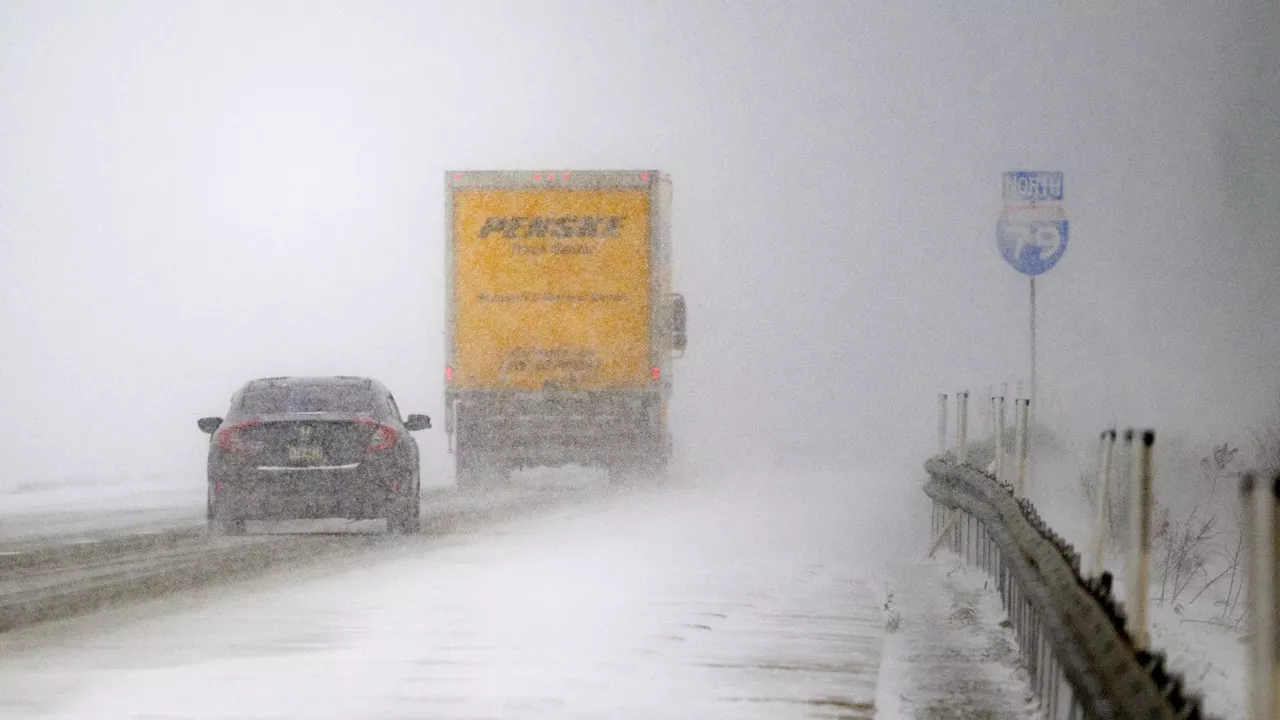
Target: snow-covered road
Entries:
(706, 601)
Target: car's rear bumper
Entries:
(271, 493)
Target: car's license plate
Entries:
(306, 453)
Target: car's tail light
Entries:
(384, 438)
(227, 436)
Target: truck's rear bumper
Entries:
(562, 428)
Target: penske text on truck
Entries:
(561, 322)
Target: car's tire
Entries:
(405, 517)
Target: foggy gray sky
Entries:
(195, 194)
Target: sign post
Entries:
(1032, 237)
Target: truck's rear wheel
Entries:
(638, 472)
(480, 471)
(491, 472)
(227, 526)
(465, 473)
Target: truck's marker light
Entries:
(644, 176)
(448, 373)
(566, 176)
(458, 176)
(655, 372)
(537, 176)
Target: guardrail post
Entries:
(991, 425)
(1139, 538)
(1264, 586)
(970, 538)
(1021, 436)
(942, 423)
(962, 418)
(1102, 495)
(999, 441)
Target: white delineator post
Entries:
(942, 423)
(1102, 519)
(1273, 554)
(1139, 538)
(1020, 441)
(999, 440)
(1265, 587)
(962, 417)
(1255, 679)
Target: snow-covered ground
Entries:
(739, 601)
(761, 596)
(96, 506)
(757, 596)
(947, 655)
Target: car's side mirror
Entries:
(417, 422)
(209, 425)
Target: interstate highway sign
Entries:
(1032, 232)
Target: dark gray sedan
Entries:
(313, 447)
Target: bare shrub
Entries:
(1185, 547)
(1191, 540)
(1236, 575)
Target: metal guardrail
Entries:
(1071, 630)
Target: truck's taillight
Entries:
(655, 372)
(227, 436)
(644, 176)
(384, 438)
(448, 374)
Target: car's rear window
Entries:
(305, 398)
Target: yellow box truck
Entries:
(561, 322)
